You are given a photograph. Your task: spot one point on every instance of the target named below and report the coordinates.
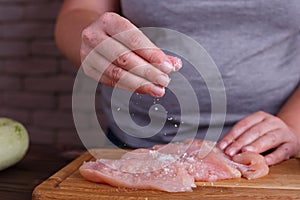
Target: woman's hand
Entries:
(260, 132)
(126, 55)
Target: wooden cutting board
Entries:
(283, 182)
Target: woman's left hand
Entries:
(260, 132)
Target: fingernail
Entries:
(163, 80)
(223, 145)
(232, 151)
(157, 91)
(248, 148)
(167, 67)
(268, 160)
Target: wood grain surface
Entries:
(283, 182)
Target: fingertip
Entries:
(231, 151)
(166, 67)
(222, 145)
(268, 160)
(163, 80)
(152, 90)
(248, 148)
(157, 91)
(176, 62)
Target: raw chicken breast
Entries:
(140, 170)
(252, 165)
(174, 167)
(207, 163)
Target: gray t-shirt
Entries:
(255, 44)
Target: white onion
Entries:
(14, 142)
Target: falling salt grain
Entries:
(170, 118)
(175, 125)
(118, 109)
(153, 153)
(156, 108)
(166, 170)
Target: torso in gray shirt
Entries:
(255, 45)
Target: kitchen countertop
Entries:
(40, 162)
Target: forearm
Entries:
(74, 16)
(68, 33)
(290, 112)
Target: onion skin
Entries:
(14, 142)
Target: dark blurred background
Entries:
(35, 79)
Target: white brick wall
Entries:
(36, 81)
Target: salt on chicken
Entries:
(174, 167)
